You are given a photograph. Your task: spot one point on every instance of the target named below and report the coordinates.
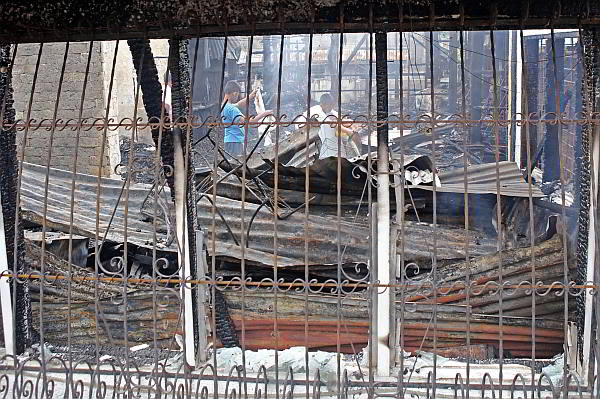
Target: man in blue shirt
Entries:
(234, 119)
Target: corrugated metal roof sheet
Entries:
(482, 180)
(322, 230)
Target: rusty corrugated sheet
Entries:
(417, 328)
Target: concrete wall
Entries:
(44, 102)
(124, 89)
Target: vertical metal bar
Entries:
(400, 217)
(495, 129)
(383, 208)
(372, 212)
(72, 202)
(98, 195)
(276, 212)
(45, 210)
(339, 205)
(198, 272)
(527, 129)
(306, 201)
(127, 185)
(243, 208)
(563, 211)
(465, 130)
(157, 179)
(213, 217)
(587, 96)
(20, 343)
(434, 166)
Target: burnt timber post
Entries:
(532, 57)
(453, 74)
(185, 199)
(383, 211)
(13, 232)
(476, 40)
(552, 142)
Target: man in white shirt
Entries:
(328, 132)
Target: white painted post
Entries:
(6, 300)
(383, 209)
(201, 270)
(374, 279)
(183, 254)
(511, 133)
(519, 105)
(591, 254)
(383, 266)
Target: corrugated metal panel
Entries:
(140, 231)
(322, 235)
(417, 328)
(322, 230)
(482, 180)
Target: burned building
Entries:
(382, 184)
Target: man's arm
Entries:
(244, 101)
(344, 131)
(261, 116)
(240, 119)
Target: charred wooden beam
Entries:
(82, 286)
(13, 231)
(552, 141)
(152, 96)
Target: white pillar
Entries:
(519, 105)
(383, 268)
(183, 254)
(5, 297)
(591, 254)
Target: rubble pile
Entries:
(270, 231)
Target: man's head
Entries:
(232, 91)
(326, 103)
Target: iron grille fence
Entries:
(426, 228)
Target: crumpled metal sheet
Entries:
(321, 233)
(482, 180)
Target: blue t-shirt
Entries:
(232, 115)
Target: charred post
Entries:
(532, 55)
(476, 41)
(8, 182)
(179, 66)
(152, 95)
(453, 74)
(552, 141)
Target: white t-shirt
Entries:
(168, 101)
(329, 140)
